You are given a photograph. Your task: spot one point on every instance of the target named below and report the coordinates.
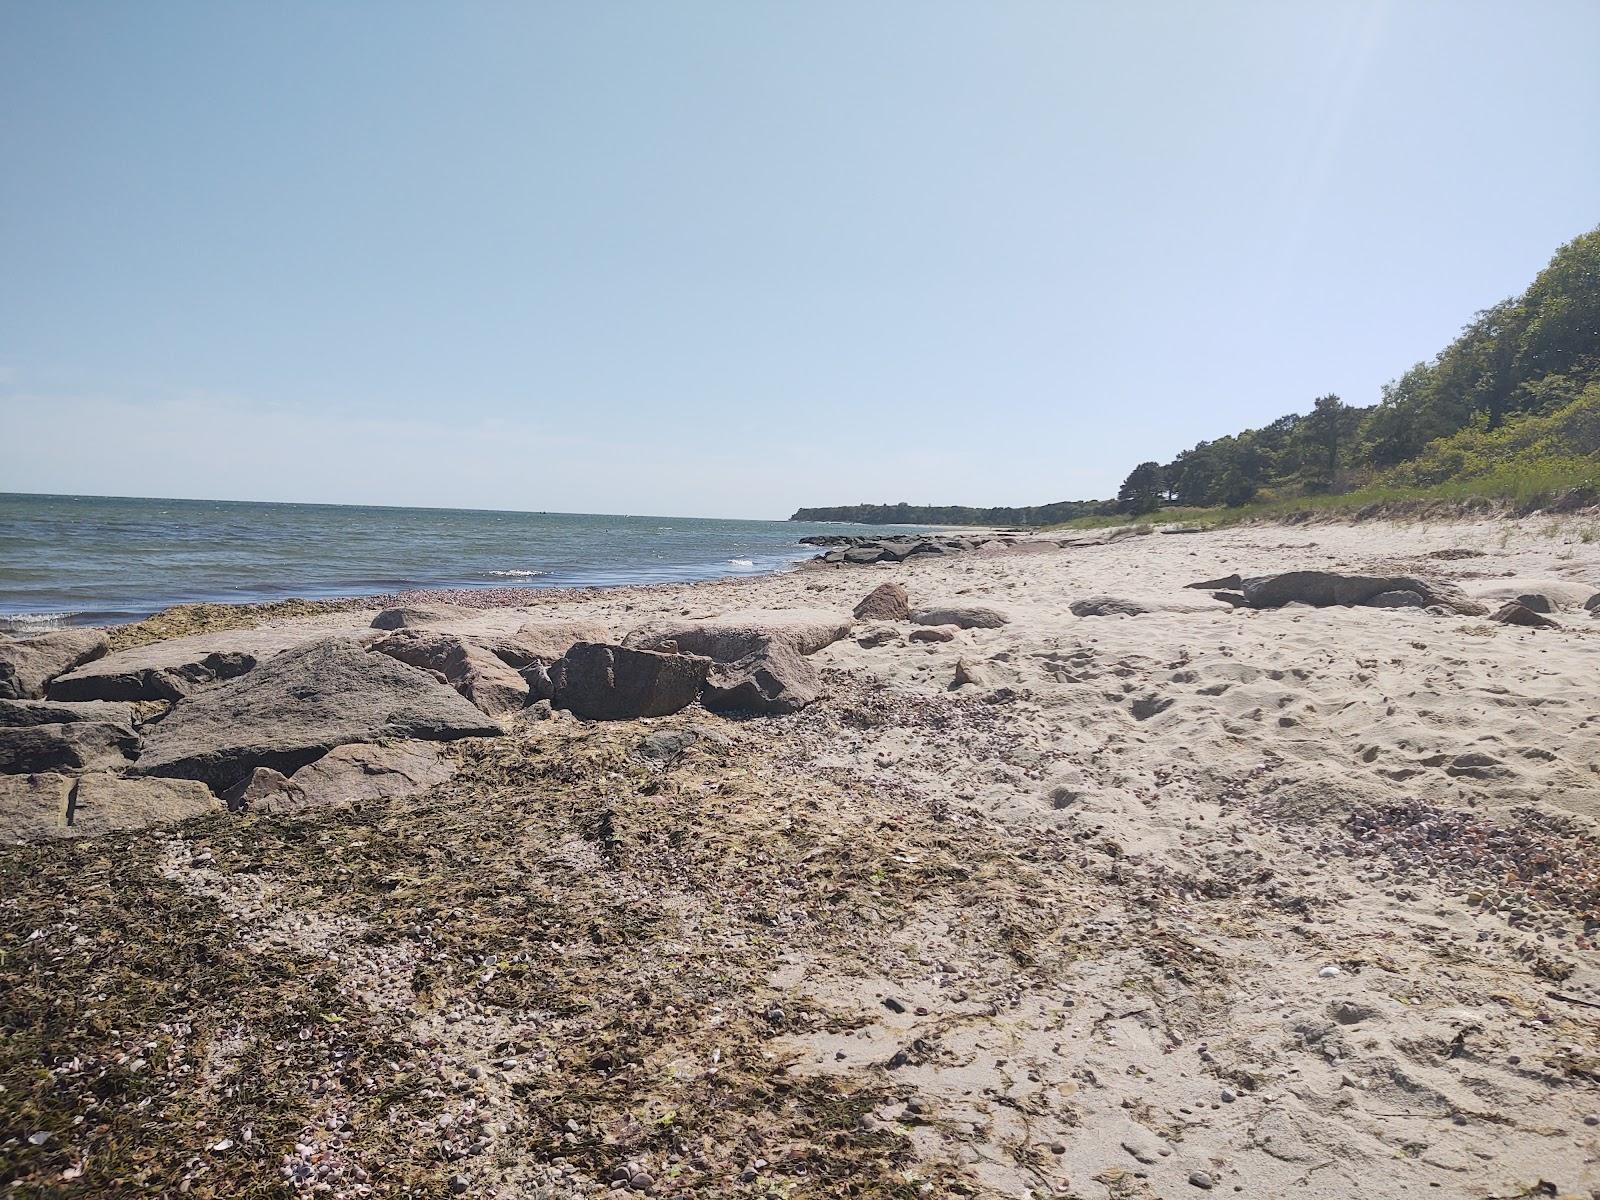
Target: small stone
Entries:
(642, 1182)
(1329, 973)
(1201, 1180)
(1591, 1119)
(1229, 1095)
(893, 1005)
(458, 1184)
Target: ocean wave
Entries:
(741, 562)
(517, 574)
(34, 622)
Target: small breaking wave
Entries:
(517, 574)
(741, 562)
(36, 622)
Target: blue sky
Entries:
(731, 258)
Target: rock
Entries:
(177, 667)
(862, 555)
(882, 635)
(666, 745)
(1202, 1180)
(1322, 589)
(608, 683)
(51, 805)
(886, 602)
(27, 665)
(104, 803)
(774, 680)
(969, 672)
(1513, 613)
(1145, 707)
(481, 676)
(934, 633)
(1106, 606)
(1592, 604)
(14, 713)
(34, 806)
(416, 617)
(962, 618)
(544, 641)
(1398, 599)
(361, 772)
(292, 710)
(1228, 583)
(735, 635)
(264, 790)
(1536, 602)
(69, 746)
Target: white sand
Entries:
(1155, 825)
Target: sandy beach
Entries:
(1272, 902)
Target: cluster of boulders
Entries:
(279, 719)
(857, 550)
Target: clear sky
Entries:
(730, 258)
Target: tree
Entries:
(1327, 433)
(1141, 490)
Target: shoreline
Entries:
(1088, 905)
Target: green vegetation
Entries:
(1509, 411)
(951, 514)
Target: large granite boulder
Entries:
(962, 617)
(67, 746)
(175, 668)
(544, 640)
(27, 665)
(608, 683)
(1324, 589)
(886, 602)
(776, 679)
(292, 710)
(52, 805)
(482, 677)
(734, 635)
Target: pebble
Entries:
(1201, 1180)
(1229, 1095)
(1329, 973)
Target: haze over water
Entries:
(85, 559)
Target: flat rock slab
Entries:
(732, 636)
(543, 641)
(27, 665)
(50, 805)
(611, 683)
(479, 675)
(294, 709)
(345, 775)
(68, 747)
(358, 772)
(1323, 589)
(962, 617)
(177, 667)
(14, 713)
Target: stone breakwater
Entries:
(863, 550)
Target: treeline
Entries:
(953, 514)
(1529, 356)
(1519, 387)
